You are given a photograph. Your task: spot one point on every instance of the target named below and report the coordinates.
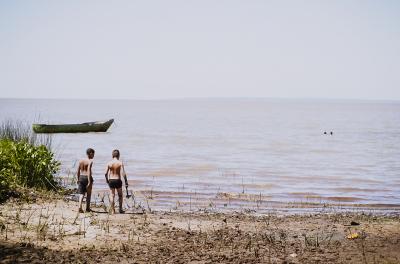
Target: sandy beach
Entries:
(51, 231)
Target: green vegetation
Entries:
(26, 160)
(17, 131)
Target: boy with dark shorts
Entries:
(85, 179)
(113, 177)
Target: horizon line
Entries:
(204, 98)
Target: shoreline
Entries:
(231, 200)
(152, 200)
(52, 231)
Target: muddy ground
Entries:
(53, 232)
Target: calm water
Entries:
(215, 148)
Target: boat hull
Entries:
(73, 128)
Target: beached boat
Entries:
(73, 128)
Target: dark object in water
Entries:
(331, 133)
(73, 128)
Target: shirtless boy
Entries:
(85, 179)
(113, 177)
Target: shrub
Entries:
(25, 160)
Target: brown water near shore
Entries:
(213, 198)
(224, 202)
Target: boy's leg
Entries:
(88, 197)
(120, 197)
(80, 203)
(112, 194)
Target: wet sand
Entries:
(51, 231)
(234, 202)
(166, 195)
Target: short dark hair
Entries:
(115, 153)
(89, 151)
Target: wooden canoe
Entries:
(73, 128)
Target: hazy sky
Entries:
(174, 49)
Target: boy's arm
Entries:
(78, 172)
(124, 174)
(106, 175)
(90, 173)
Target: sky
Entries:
(207, 48)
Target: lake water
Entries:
(208, 151)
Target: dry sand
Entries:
(53, 232)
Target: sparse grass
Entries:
(221, 238)
(16, 130)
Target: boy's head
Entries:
(115, 153)
(90, 153)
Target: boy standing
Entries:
(113, 177)
(85, 179)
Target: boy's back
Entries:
(115, 169)
(84, 166)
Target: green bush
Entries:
(23, 164)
